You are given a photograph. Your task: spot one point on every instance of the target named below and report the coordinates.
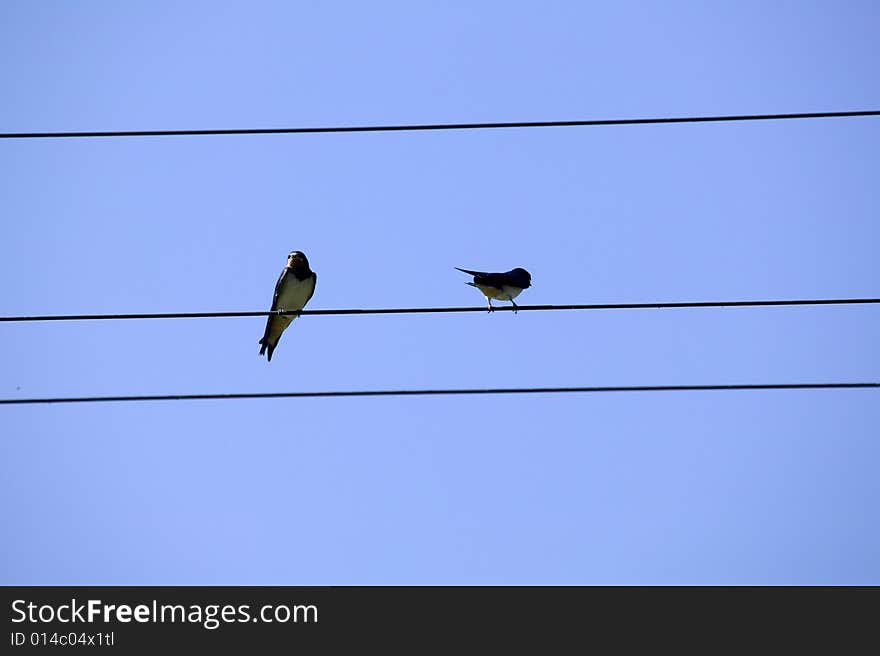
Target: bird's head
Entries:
(523, 273)
(297, 258)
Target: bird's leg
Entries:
(515, 308)
(491, 309)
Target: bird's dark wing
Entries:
(270, 318)
(314, 284)
(498, 280)
(473, 273)
(486, 279)
(278, 289)
(514, 278)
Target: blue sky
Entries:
(733, 488)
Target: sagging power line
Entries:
(442, 310)
(434, 126)
(437, 392)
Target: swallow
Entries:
(294, 288)
(500, 286)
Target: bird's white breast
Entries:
(506, 293)
(294, 293)
(509, 293)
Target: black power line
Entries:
(435, 126)
(436, 392)
(442, 310)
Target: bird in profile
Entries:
(294, 288)
(500, 286)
